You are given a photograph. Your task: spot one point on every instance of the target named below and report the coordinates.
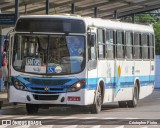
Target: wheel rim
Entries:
(99, 98)
(135, 96)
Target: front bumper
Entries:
(69, 98)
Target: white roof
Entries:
(119, 25)
(101, 23)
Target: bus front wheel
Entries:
(96, 107)
(32, 108)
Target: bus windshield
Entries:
(49, 54)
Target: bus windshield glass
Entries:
(49, 54)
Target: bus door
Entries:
(110, 69)
(92, 62)
(124, 69)
(119, 93)
(9, 45)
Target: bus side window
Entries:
(129, 42)
(144, 43)
(137, 48)
(101, 43)
(151, 46)
(120, 45)
(91, 46)
(92, 58)
(109, 44)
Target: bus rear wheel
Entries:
(32, 108)
(96, 107)
(133, 103)
(122, 104)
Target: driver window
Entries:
(92, 57)
(91, 47)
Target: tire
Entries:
(96, 107)
(122, 104)
(1, 104)
(133, 103)
(32, 108)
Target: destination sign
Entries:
(7, 19)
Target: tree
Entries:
(150, 18)
(157, 36)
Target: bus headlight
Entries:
(76, 86)
(18, 85)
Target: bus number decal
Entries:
(33, 61)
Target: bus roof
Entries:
(100, 23)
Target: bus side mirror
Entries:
(91, 40)
(6, 45)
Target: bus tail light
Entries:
(76, 86)
(18, 85)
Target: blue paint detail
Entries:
(118, 81)
(110, 85)
(127, 84)
(51, 69)
(92, 83)
(57, 85)
(60, 85)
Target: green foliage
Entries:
(145, 18)
(148, 19)
(157, 36)
(152, 19)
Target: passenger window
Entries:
(101, 44)
(151, 46)
(91, 46)
(129, 42)
(144, 46)
(137, 47)
(120, 50)
(109, 44)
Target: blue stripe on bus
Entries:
(91, 83)
(122, 82)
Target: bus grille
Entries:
(42, 89)
(45, 97)
(48, 85)
(47, 81)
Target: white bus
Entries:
(73, 60)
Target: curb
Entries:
(4, 103)
(3, 100)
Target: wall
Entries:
(157, 72)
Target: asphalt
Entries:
(3, 99)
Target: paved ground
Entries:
(147, 111)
